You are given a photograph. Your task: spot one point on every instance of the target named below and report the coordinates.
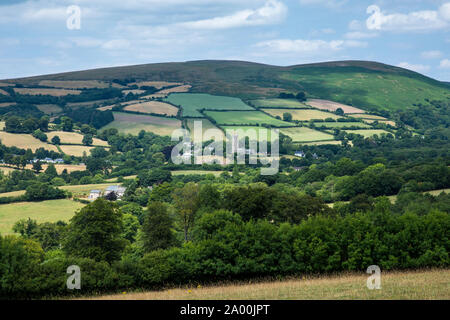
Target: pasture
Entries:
(47, 92)
(368, 133)
(191, 103)
(334, 125)
(133, 91)
(3, 92)
(279, 103)
(387, 122)
(206, 125)
(323, 143)
(134, 123)
(24, 141)
(45, 211)
(302, 115)
(263, 134)
(366, 116)
(155, 107)
(401, 285)
(76, 84)
(245, 118)
(332, 106)
(74, 150)
(304, 134)
(74, 138)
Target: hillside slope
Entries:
(368, 85)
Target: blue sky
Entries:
(35, 39)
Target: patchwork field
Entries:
(206, 125)
(49, 92)
(260, 132)
(134, 123)
(2, 125)
(366, 116)
(3, 92)
(153, 107)
(74, 138)
(332, 106)
(406, 285)
(192, 102)
(24, 141)
(77, 151)
(179, 89)
(304, 134)
(45, 211)
(302, 115)
(67, 84)
(279, 103)
(388, 122)
(341, 125)
(245, 118)
(367, 133)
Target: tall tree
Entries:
(95, 232)
(157, 228)
(186, 202)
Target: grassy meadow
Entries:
(302, 115)
(134, 123)
(74, 138)
(45, 211)
(155, 107)
(342, 125)
(421, 285)
(245, 118)
(279, 103)
(191, 103)
(24, 141)
(304, 134)
(373, 89)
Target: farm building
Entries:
(118, 190)
(94, 194)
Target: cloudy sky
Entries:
(43, 36)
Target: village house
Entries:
(94, 195)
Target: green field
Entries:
(341, 125)
(246, 130)
(192, 102)
(206, 125)
(368, 89)
(45, 211)
(134, 123)
(246, 118)
(304, 134)
(367, 133)
(279, 103)
(302, 115)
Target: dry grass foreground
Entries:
(420, 285)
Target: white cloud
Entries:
(445, 64)
(413, 21)
(414, 67)
(116, 44)
(272, 12)
(433, 54)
